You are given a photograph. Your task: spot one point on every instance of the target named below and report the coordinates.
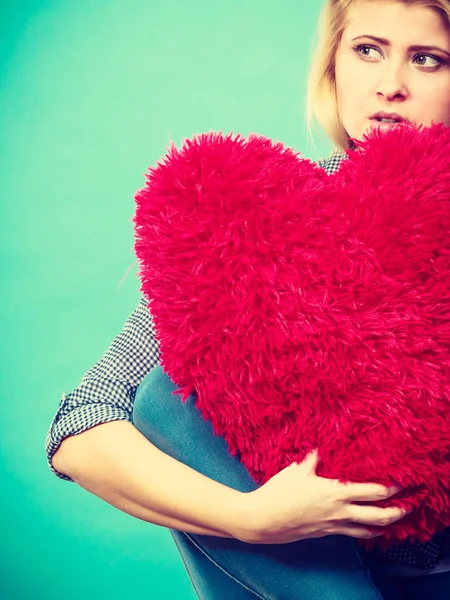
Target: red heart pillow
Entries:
(308, 310)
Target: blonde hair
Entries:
(321, 102)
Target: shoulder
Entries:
(331, 164)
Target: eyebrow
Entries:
(413, 48)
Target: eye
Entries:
(437, 61)
(363, 50)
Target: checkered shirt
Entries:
(107, 391)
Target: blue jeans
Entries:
(328, 568)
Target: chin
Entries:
(359, 134)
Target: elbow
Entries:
(59, 459)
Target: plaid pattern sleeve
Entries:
(107, 390)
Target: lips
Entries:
(391, 116)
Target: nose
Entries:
(392, 85)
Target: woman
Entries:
(122, 435)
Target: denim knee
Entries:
(155, 385)
(178, 429)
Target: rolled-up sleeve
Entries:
(107, 390)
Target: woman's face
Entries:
(397, 73)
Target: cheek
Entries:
(445, 109)
(343, 85)
(352, 95)
(435, 103)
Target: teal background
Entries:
(91, 94)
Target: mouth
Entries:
(387, 121)
(390, 118)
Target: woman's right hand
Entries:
(296, 504)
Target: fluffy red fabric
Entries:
(311, 311)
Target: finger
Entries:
(369, 492)
(374, 515)
(310, 461)
(358, 532)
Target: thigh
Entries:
(209, 579)
(313, 569)
(322, 569)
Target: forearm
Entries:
(117, 463)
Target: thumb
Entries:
(310, 461)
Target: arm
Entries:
(93, 442)
(139, 479)
(117, 463)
